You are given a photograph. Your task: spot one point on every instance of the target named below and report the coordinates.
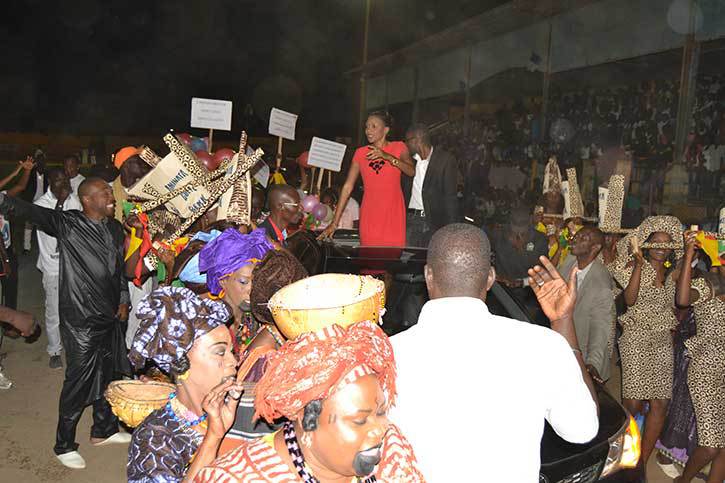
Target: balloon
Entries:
(197, 144)
(206, 159)
(320, 211)
(223, 154)
(184, 137)
(309, 203)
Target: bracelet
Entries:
(576, 350)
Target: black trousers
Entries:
(10, 284)
(417, 230)
(89, 368)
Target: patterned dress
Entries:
(258, 461)
(646, 343)
(161, 450)
(706, 373)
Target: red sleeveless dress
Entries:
(382, 214)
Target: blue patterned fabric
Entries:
(170, 320)
(160, 450)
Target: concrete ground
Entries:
(29, 411)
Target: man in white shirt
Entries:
(59, 197)
(72, 166)
(500, 378)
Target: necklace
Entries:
(298, 459)
(186, 415)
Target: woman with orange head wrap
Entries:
(334, 387)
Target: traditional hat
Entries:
(667, 224)
(552, 176)
(611, 201)
(573, 204)
(123, 154)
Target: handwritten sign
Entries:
(211, 114)
(326, 154)
(282, 124)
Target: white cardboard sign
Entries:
(211, 114)
(260, 172)
(282, 124)
(326, 154)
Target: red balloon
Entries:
(222, 154)
(206, 159)
(184, 137)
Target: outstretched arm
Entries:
(50, 221)
(21, 164)
(26, 167)
(347, 188)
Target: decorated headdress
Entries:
(611, 201)
(171, 319)
(182, 183)
(229, 252)
(552, 177)
(573, 204)
(316, 365)
(667, 224)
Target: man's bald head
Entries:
(97, 198)
(89, 186)
(459, 262)
(281, 193)
(284, 205)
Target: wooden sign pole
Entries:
(319, 180)
(211, 140)
(313, 170)
(279, 153)
(329, 179)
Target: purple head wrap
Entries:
(171, 319)
(229, 252)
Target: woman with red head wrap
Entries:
(334, 387)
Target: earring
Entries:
(668, 264)
(306, 439)
(183, 377)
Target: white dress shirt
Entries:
(48, 261)
(474, 390)
(416, 194)
(581, 274)
(76, 182)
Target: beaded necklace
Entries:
(187, 418)
(298, 459)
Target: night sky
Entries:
(131, 67)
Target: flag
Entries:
(714, 248)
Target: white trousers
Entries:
(136, 294)
(52, 314)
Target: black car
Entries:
(610, 456)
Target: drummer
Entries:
(185, 336)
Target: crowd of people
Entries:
(262, 387)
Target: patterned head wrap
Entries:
(318, 364)
(171, 319)
(229, 252)
(278, 269)
(667, 224)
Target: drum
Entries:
(132, 401)
(317, 302)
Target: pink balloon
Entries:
(320, 212)
(184, 137)
(206, 159)
(223, 154)
(309, 203)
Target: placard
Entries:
(260, 172)
(211, 114)
(282, 124)
(326, 154)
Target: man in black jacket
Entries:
(432, 196)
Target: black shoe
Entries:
(55, 362)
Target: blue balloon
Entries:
(197, 144)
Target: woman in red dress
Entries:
(382, 214)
